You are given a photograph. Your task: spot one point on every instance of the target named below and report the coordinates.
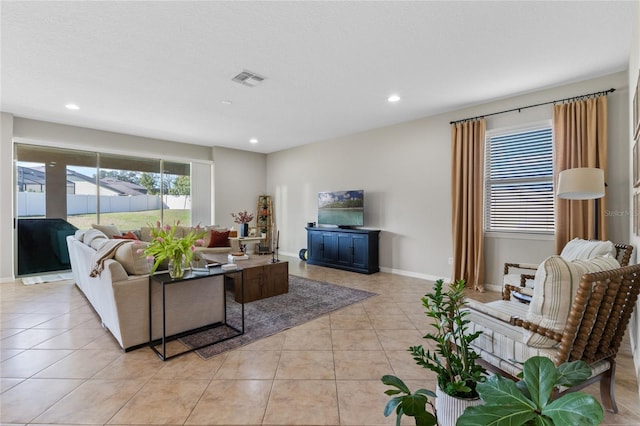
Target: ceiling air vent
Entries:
(248, 78)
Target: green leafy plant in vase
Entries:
(166, 246)
(453, 360)
(534, 400)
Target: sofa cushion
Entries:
(584, 249)
(79, 234)
(219, 239)
(556, 284)
(109, 230)
(132, 258)
(92, 234)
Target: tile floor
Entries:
(58, 366)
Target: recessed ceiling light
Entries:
(393, 98)
(73, 107)
(226, 102)
(253, 141)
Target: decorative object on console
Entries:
(243, 219)
(582, 183)
(276, 246)
(177, 251)
(265, 225)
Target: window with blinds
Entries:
(519, 182)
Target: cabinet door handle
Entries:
(321, 247)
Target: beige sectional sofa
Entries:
(120, 293)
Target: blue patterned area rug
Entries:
(306, 300)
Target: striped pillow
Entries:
(555, 286)
(584, 249)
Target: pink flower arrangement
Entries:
(242, 217)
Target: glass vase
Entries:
(176, 267)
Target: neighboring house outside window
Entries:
(519, 180)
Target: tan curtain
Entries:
(580, 137)
(467, 183)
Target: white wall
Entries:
(634, 69)
(239, 178)
(59, 135)
(405, 172)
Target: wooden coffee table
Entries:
(262, 278)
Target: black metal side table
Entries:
(210, 274)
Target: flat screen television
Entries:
(341, 208)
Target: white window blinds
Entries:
(519, 182)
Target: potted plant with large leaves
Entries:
(533, 400)
(453, 360)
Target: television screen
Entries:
(341, 208)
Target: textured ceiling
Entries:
(162, 69)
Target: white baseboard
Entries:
(6, 279)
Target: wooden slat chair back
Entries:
(598, 319)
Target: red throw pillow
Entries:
(128, 236)
(219, 239)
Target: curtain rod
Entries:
(603, 92)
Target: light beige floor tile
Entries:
(105, 342)
(72, 339)
(6, 384)
(271, 343)
(306, 365)
(355, 340)
(351, 323)
(27, 400)
(405, 367)
(9, 353)
(27, 320)
(249, 365)
(361, 365)
(302, 402)
(28, 363)
(93, 402)
(362, 402)
(232, 402)
(391, 322)
(6, 332)
(162, 402)
(70, 321)
(299, 339)
(81, 364)
(29, 338)
(320, 323)
(394, 340)
(139, 364)
(189, 366)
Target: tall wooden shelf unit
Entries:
(264, 219)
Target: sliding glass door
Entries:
(60, 190)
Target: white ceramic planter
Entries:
(449, 408)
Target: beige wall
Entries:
(404, 170)
(239, 178)
(634, 69)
